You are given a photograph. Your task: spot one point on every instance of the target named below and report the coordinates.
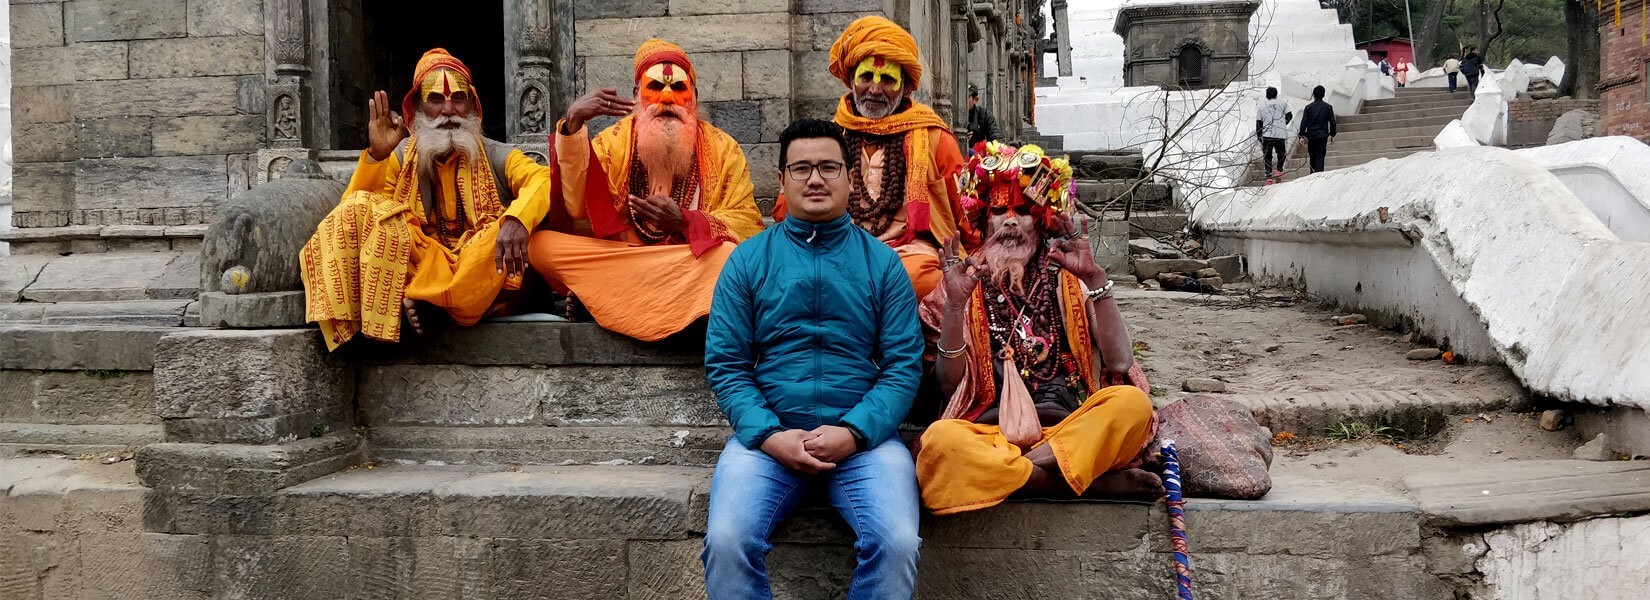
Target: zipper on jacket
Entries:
(813, 251)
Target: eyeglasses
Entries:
(803, 171)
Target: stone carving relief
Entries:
(286, 124)
(532, 110)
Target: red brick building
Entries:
(1624, 69)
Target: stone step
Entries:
(1350, 143)
(18, 439)
(543, 445)
(1436, 123)
(1147, 195)
(1419, 414)
(1400, 115)
(154, 313)
(1429, 131)
(102, 277)
(83, 239)
(637, 531)
(80, 347)
(1387, 106)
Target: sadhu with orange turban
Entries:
(439, 218)
(902, 157)
(648, 210)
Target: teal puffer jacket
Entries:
(813, 324)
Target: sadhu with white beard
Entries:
(1045, 396)
(439, 218)
(649, 209)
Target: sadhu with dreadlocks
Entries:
(1045, 396)
(902, 158)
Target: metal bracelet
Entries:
(951, 353)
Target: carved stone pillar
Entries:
(528, 101)
(959, 68)
(288, 101)
(1062, 37)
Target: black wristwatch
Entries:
(859, 439)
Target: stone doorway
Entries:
(376, 45)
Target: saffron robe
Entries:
(963, 465)
(380, 245)
(645, 291)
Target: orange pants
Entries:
(922, 265)
(965, 466)
(645, 292)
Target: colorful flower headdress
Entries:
(1002, 176)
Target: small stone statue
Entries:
(286, 119)
(532, 111)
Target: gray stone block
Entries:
(197, 56)
(1149, 268)
(619, 9)
(236, 469)
(178, 281)
(741, 119)
(156, 313)
(966, 572)
(226, 17)
(539, 344)
(1089, 527)
(310, 423)
(42, 187)
(79, 348)
(763, 162)
(727, 7)
(208, 135)
(666, 570)
(711, 33)
(160, 182)
(538, 445)
(77, 397)
(98, 277)
(207, 514)
(48, 65)
(1546, 490)
(282, 568)
(574, 568)
(185, 96)
(819, 30)
(364, 503)
(767, 74)
(42, 104)
(28, 313)
(808, 7)
(1230, 267)
(647, 503)
(37, 25)
(263, 229)
(225, 374)
(721, 76)
(404, 567)
(776, 116)
(607, 71)
(252, 311)
(115, 137)
(811, 80)
(43, 142)
(74, 440)
(463, 395)
(95, 61)
(104, 20)
(145, 565)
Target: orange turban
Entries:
(437, 58)
(656, 51)
(874, 36)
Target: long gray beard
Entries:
(437, 144)
(1006, 257)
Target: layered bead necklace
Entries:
(1029, 329)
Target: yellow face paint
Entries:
(444, 82)
(880, 69)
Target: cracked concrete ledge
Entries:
(1509, 264)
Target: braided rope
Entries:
(1177, 520)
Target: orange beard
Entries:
(667, 137)
(1006, 254)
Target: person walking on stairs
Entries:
(1318, 127)
(1472, 65)
(1272, 127)
(1452, 68)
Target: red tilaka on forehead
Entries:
(669, 70)
(880, 62)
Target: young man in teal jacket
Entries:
(814, 350)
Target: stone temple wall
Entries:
(134, 112)
(154, 112)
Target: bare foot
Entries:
(1128, 483)
(409, 308)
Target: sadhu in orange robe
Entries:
(929, 213)
(964, 465)
(643, 290)
(397, 235)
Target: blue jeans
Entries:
(875, 491)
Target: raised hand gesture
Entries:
(961, 275)
(1072, 252)
(385, 129)
(600, 102)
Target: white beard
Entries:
(437, 144)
